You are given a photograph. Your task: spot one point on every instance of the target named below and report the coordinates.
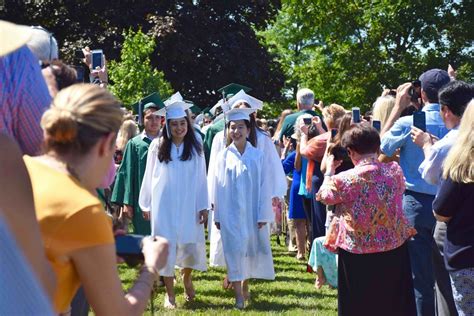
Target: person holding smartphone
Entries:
(419, 195)
(80, 129)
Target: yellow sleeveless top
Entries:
(70, 218)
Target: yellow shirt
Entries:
(70, 218)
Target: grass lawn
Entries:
(291, 293)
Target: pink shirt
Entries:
(369, 216)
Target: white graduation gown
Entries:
(175, 192)
(242, 198)
(272, 168)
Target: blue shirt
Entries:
(411, 156)
(20, 291)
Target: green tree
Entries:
(133, 77)
(201, 44)
(347, 51)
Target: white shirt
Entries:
(431, 168)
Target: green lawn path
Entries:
(291, 293)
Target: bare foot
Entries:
(300, 257)
(169, 302)
(239, 303)
(189, 292)
(320, 279)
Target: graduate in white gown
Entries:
(272, 167)
(174, 191)
(242, 207)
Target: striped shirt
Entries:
(24, 97)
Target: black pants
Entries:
(376, 284)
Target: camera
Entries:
(339, 152)
(415, 91)
(129, 247)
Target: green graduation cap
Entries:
(150, 101)
(152, 98)
(207, 110)
(194, 108)
(232, 89)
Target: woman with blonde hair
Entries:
(454, 205)
(127, 131)
(382, 109)
(79, 142)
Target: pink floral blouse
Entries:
(369, 216)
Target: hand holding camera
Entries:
(155, 250)
(403, 98)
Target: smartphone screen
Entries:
(97, 58)
(307, 121)
(377, 125)
(355, 115)
(419, 120)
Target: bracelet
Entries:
(328, 175)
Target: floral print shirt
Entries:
(369, 216)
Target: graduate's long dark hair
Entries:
(190, 143)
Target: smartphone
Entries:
(97, 58)
(333, 132)
(79, 73)
(377, 125)
(419, 120)
(307, 121)
(355, 115)
(79, 54)
(129, 247)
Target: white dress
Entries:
(242, 198)
(175, 192)
(272, 168)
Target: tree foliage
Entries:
(205, 45)
(347, 51)
(133, 77)
(201, 44)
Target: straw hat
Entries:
(13, 37)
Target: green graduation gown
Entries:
(210, 133)
(129, 180)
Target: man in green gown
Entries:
(132, 169)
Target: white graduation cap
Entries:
(199, 118)
(241, 96)
(175, 97)
(175, 110)
(221, 103)
(239, 114)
